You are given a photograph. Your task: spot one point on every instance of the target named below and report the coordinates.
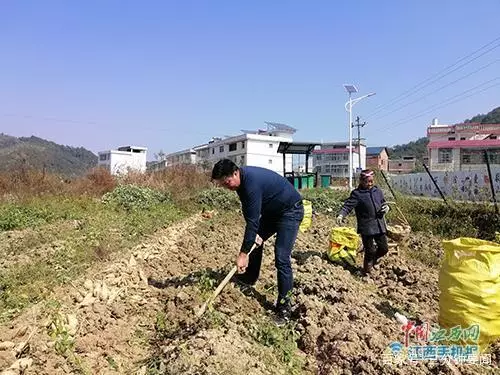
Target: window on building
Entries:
(327, 168)
(474, 156)
(221, 148)
(213, 151)
(103, 157)
(451, 138)
(270, 161)
(270, 145)
(318, 168)
(493, 136)
(318, 157)
(494, 156)
(444, 155)
(232, 147)
(462, 138)
(243, 144)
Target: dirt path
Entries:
(135, 313)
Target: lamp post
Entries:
(351, 89)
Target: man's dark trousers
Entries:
(286, 228)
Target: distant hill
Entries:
(38, 153)
(492, 117)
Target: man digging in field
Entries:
(270, 205)
(369, 204)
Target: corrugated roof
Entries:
(374, 150)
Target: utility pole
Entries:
(359, 125)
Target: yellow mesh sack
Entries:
(344, 243)
(469, 282)
(307, 220)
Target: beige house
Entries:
(377, 158)
(461, 147)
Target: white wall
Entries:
(470, 185)
(263, 152)
(181, 157)
(120, 162)
(138, 161)
(256, 151)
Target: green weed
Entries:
(283, 341)
(206, 283)
(64, 342)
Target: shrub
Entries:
(325, 200)
(458, 219)
(218, 198)
(133, 197)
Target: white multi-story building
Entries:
(257, 148)
(461, 147)
(123, 159)
(333, 159)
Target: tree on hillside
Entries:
(492, 117)
(417, 148)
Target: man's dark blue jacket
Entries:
(263, 193)
(367, 204)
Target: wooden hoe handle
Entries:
(221, 286)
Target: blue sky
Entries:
(171, 74)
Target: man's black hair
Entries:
(223, 168)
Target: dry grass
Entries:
(24, 182)
(182, 182)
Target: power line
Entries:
(437, 90)
(447, 102)
(437, 79)
(437, 76)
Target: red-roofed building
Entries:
(461, 147)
